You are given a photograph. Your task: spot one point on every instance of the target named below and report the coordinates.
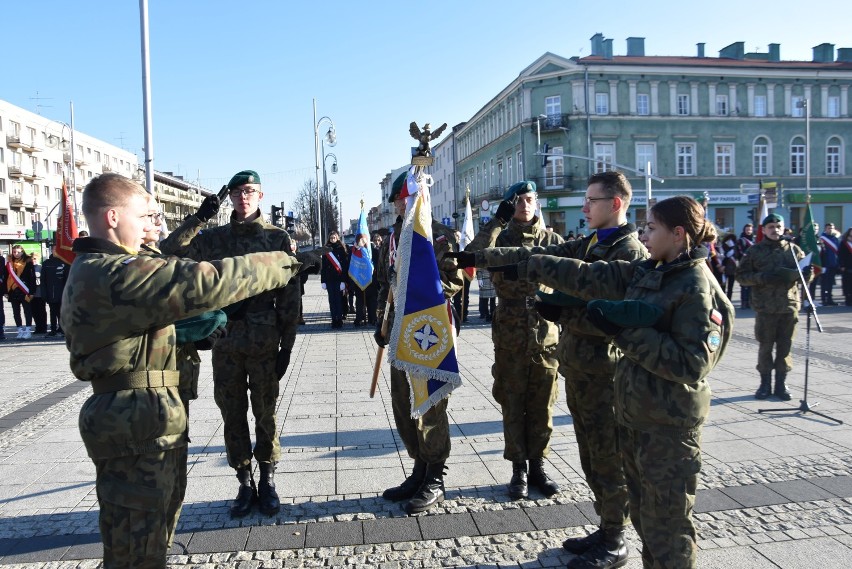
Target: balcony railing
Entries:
(552, 122)
(19, 200)
(15, 172)
(546, 184)
(14, 141)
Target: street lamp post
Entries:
(326, 182)
(803, 104)
(63, 144)
(331, 138)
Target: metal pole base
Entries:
(803, 408)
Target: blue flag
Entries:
(422, 342)
(361, 259)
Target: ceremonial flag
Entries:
(467, 235)
(422, 342)
(809, 241)
(66, 228)
(361, 260)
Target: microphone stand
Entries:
(803, 403)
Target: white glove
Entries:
(342, 287)
(323, 286)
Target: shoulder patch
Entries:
(716, 316)
(714, 340)
(440, 238)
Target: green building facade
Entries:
(717, 128)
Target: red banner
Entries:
(66, 228)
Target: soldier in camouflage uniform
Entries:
(769, 268)
(672, 330)
(121, 339)
(427, 439)
(524, 367)
(254, 353)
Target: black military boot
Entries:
(609, 552)
(431, 490)
(409, 486)
(781, 391)
(247, 494)
(268, 502)
(765, 388)
(540, 479)
(579, 545)
(518, 489)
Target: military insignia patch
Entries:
(716, 316)
(714, 340)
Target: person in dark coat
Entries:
(54, 272)
(333, 276)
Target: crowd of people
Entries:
(634, 322)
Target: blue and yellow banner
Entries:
(422, 342)
(361, 259)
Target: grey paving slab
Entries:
(840, 486)
(505, 521)
(800, 490)
(714, 500)
(556, 516)
(732, 558)
(754, 495)
(331, 534)
(265, 538)
(218, 540)
(391, 530)
(38, 548)
(447, 526)
(85, 547)
(807, 554)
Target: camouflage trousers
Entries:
(778, 331)
(140, 499)
(526, 389)
(238, 379)
(591, 400)
(426, 438)
(662, 474)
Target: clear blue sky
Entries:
(232, 82)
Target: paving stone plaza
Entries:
(775, 489)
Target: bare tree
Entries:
(304, 206)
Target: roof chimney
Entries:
(597, 44)
(824, 53)
(700, 49)
(844, 54)
(775, 52)
(607, 49)
(636, 47)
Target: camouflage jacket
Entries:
(770, 292)
(443, 241)
(268, 315)
(516, 324)
(118, 311)
(660, 382)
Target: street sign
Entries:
(484, 206)
(485, 219)
(455, 215)
(753, 199)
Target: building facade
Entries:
(717, 128)
(35, 154)
(178, 198)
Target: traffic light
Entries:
(276, 216)
(582, 222)
(751, 215)
(290, 223)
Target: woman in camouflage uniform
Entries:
(672, 328)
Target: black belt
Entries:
(135, 380)
(526, 302)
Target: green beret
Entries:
(522, 187)
(199, 327)
(772, 218)
(398, 184)
(244, 177)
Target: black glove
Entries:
(505, 211)
(281, 363)
(311, 269)
(210, 341)
(380, 339)
(611, 316)
(788, 276)
(548, 311)
(464, 260)
(510, 272)
(208, 208)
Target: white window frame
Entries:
(683, 105)
(553, 105)
(761, 152)
(797, 156)
(760, 105)
(723, 158)
(834, 157)
(604, 156)
(643, 104)
(601, 103)
(554, 170)
(795, 110)
(685, 157)
(646, 152)
(722, 109)
(833, 110)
